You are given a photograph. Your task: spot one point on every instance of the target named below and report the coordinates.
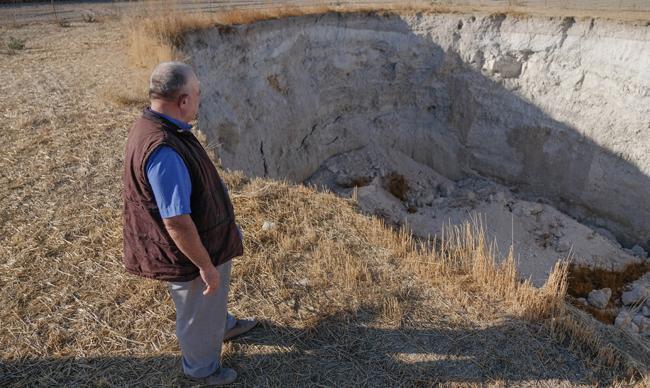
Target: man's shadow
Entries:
(347, 350)
(344, 349)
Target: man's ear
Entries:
(182, 100)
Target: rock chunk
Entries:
(645, 310)
(638, 291)
(268, 225)
(535, 209)
(446, 188)
(624, 322)
(639, 252)
(507, 67)
(599, 298)
(643, 323)
(637, 294)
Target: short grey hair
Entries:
(169, 80)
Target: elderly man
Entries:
(179, 223)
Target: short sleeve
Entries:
(170, 182)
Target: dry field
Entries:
(344, 300)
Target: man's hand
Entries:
(183, 232)
(210, 277)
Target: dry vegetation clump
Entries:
(397, 185)
(15, 44)
(11, 45)
(344, 300)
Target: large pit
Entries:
(539, 125)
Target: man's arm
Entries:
(170, 182)
(183, 231)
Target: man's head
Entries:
(174, 90)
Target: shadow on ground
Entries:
(341, 350)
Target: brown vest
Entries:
(149, 250)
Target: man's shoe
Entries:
(223, 376)
(242, 326)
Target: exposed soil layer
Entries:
(536, 125)
(557, 107)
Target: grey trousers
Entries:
(201, 321)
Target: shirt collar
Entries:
(183, 126)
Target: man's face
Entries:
(189, 104)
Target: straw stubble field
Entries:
(343, 299)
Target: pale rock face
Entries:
(558, 106)
(599, 298)
(550, 108)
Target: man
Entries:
(179, 223)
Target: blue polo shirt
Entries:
(169, 177)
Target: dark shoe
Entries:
(242, 326)
(223, 376)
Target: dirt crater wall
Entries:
(556, 107)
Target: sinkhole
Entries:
(538, 125)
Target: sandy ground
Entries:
(539, 233)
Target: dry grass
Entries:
(157, 39)
(344, 299)
(397, 185)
